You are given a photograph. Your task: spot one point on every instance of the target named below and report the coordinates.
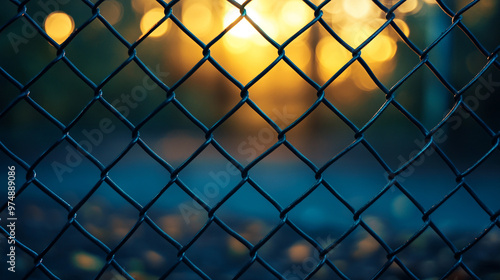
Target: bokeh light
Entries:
(331, 57)
(112, 11)
(59, 26)
(295, 14)
(381, 49)
(403, 26)
(358, 8)
(410, 6)
(198, 18)
(150, 19)
(243, 29)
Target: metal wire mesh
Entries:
(182, 249)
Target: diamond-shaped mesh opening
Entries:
(133, 93)
(321, 131)
(141, 184)
(320, 215)
(101, 133)
(355, 188)
(212, 181)
(178, 215)
(399, 131)
(107, 215)
(72, 93)
(216, 149)
(88, 58)
(358, 254)
(445, 218)
(433, 105)
(290, 177)
(146, 254)
(177, 59)
(283, 100)
(172, 135)
(248, 141)
(258, 220)
(68, 173)
(207, 86)
(329, 55)
(244, 57)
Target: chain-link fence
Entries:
(204, 140)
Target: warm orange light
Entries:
(86, 261)
(362, 80)
(300, 53)
(198, 18)
(299, 252)
(381, 49)
(403, 26)
(410, 6)
(243, 29)
(59, 26)
(151, 18)
(295, 14)
(331, 57)
(358, 8)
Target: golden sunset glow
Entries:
(358, 8)
(59, 26)
(294, 14)
(198, 18)
(244, 52)
(331, 57)
(243, 29)
(381, 49)
(150, 19)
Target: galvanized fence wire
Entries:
(32, 181)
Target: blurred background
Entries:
(283, 94)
